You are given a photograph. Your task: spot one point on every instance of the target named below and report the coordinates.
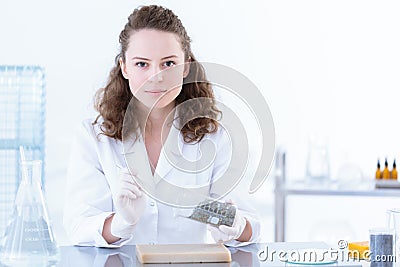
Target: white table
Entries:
(72, 256)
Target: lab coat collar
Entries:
(135, 153)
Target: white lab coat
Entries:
(92, 179)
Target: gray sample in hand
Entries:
(214, 213)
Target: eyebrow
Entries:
(167, 57)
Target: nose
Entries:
(156, 75)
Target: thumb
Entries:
(211, 228)
(230, 201)
(128, 171)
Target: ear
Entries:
(123, 68)
(186, 69)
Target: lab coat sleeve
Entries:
(88, 195)
(239, 195)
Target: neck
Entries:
(158, 117)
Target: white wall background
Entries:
(325, 67)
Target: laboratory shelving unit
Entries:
(22, 122)
(285, 188)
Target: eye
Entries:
(141, 64)
(169, 63)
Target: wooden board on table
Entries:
(182, 253)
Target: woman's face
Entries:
(154, 66)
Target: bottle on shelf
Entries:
(378, 174)
(385, 172)
(394, 171)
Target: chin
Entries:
(156, 105)
(162, 104)
(165, 101)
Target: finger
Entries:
(127, 194)
(133, 182)
(132, 188)
(130, 172)
(216, 234)
(219, 239)
(127, 177)
(123, 170)
(129, 182)
(131, 179)
(230, 201)
(231, 231)
(212, 228)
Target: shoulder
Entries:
(88, 127)
(220, 138)
(219, 134)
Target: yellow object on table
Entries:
(359, 250)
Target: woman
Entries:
(105, 205)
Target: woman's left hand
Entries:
(225, 233)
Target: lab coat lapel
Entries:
(170, 156)
(136, 159)
(176, 160)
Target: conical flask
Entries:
(29, 240)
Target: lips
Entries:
(156, 91)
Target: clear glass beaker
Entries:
(29, 240)
(393, 221)
(317, 165)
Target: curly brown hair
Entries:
(112, 101)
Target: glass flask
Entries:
(317, 165)
(29, 239)
(393, 221)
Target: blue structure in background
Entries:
(22, 122)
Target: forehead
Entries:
(154, 44)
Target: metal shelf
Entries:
(284, 188)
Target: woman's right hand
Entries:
(130, 203)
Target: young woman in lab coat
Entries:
(105, 206)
